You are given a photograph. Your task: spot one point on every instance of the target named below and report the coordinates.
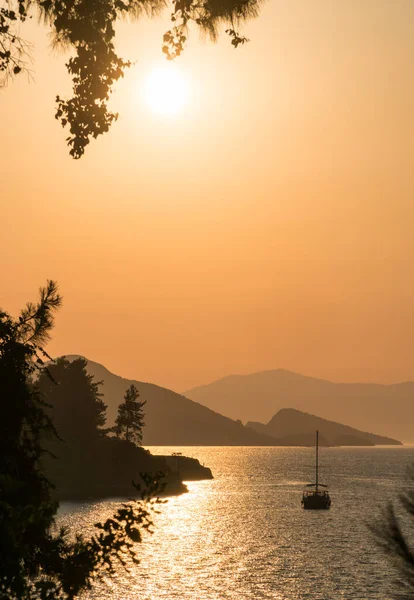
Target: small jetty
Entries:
(188, 469)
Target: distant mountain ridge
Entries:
(172, 419)
(290, 426)
(386, 409)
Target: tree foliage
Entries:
(88, 28)
(78, 410)
(35, 561)
(395, 534)
(14, 51)
(90, 463)
(130, 419)
(26, 509)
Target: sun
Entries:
(166, 90)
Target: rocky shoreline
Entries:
(170, 470)
(188, 469)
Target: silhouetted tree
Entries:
(26, 509)
(396, 536)
(78, 412)
(35, 562)
(130, 420)
(88, 28)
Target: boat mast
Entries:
(317, 465)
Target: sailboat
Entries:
(316, 498)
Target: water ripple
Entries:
(244, 536)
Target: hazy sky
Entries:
(268, 225)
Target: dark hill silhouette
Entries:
(387, 409)
(172, 419)
(294, 427)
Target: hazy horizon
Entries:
(258, 397)
(229, 375)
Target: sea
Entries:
(244, 536)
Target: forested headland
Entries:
(85, 459)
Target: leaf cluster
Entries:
(395, 534)
(14, 50)
(208, 15)
(63, 568)
(87, 27)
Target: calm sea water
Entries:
(245, 536)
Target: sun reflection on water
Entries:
(244, 536)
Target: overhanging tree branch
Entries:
(88, 27)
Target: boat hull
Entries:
(316, 502)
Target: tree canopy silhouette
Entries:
(83, 461)
(35, 562)
(78, 411)
(395, 533)
(130, 419)
(88, 28)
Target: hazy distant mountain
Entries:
(294, 427)
(172, 419)
(386, 409)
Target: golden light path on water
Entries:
(244, 535)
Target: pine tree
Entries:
(77, 408)
(395, 534)
(130, 420)
(36, 563)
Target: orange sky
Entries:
(270, 225)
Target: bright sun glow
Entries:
(167, 90)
